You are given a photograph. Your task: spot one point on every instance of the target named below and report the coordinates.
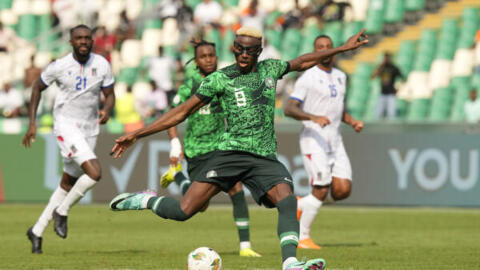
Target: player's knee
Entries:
(65, 186)
(340, 194)
(95, 174)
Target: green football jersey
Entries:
(248, 102)
(206, 125)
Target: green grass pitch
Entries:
(352, 238)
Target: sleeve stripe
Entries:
(43, 81)
(108, 86)
(203, 98)
(295, 98)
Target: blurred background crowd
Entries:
(423, 64)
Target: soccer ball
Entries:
(204, 258)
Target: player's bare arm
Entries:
(306, 61)
(348, 119)
(170, 119)
(292, 109)
(37, 89)
(107, 106)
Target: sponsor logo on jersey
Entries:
(269, 82)
(211, 173)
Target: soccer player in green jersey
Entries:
(247, 149)
(204, 129)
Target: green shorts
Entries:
(259, 174)
(196, 164)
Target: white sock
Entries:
(310, 210)
(57, 197)
(288, 261)
(83, 184)
(245, 244)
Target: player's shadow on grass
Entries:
(109, 252)
(348, 244)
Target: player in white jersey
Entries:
(81, 76)
(318, 100)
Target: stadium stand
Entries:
(432, 42)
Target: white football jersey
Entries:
(321, 93)
(80, 85)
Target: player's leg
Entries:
(175, 174)
(242, 220)
(342, 175)
(196, 197)
(86, 167)
(35, 232)
(319, 174)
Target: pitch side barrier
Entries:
(393, 164)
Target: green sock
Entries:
(288, 227)
(240, 215)
(167, 207)
(182, 181)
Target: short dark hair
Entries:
(321, 36)
(199, 43)
(80, 26)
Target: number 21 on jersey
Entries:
(81, 83)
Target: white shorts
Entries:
(322, 166)
(75, 148)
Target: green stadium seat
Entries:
(418, 109)
(475, 81)
(6, 4)
(374, 21)
(405, 56)
(230, 3)
(274, 37)
(371, 104)
(292, 39)
(46, 37)
(26, 27)
(128, 75)
(271, 18)
(460, 82)
(441, 103)
(227, 41)
(364, 70)
(334, 31)
(426, 50)
(470, 23)
(350, 29)
(447, 40)
(310, 32)
(115, 127)
(414, 5)
(192, 3)
(394, 11)
(402, 108)
(213, 35)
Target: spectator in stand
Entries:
(125, 30)
(7, 37)
(161, 69)
(67, 13)
(104, 42)
(388, 73)
(126, 113)
(31, 74)
(472, 108)
(156, 100)
(11, 101)
(252, 17)
(332, 11)
(208, 12)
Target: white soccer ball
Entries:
(204, 258)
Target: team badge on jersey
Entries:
(269, 82)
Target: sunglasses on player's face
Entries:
(238, 49)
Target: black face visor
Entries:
(238, 49)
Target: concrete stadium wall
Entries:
(393, 164)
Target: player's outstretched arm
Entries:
(37, 88)
(306, 61)
(170, 119)
(107, 106)
(293, 109)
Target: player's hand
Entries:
(176, 152)
(122, 143)
(321, 120)
(356, 40)
(104, 116)
(357, 125)
(29, 137)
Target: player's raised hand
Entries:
(122, 143)
(29, 137)
(321, 120)
(356, 40)
(104, 116)
(357, 125)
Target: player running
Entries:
(81, 76)
(247, 149)
(318, 100)
(204, 129)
